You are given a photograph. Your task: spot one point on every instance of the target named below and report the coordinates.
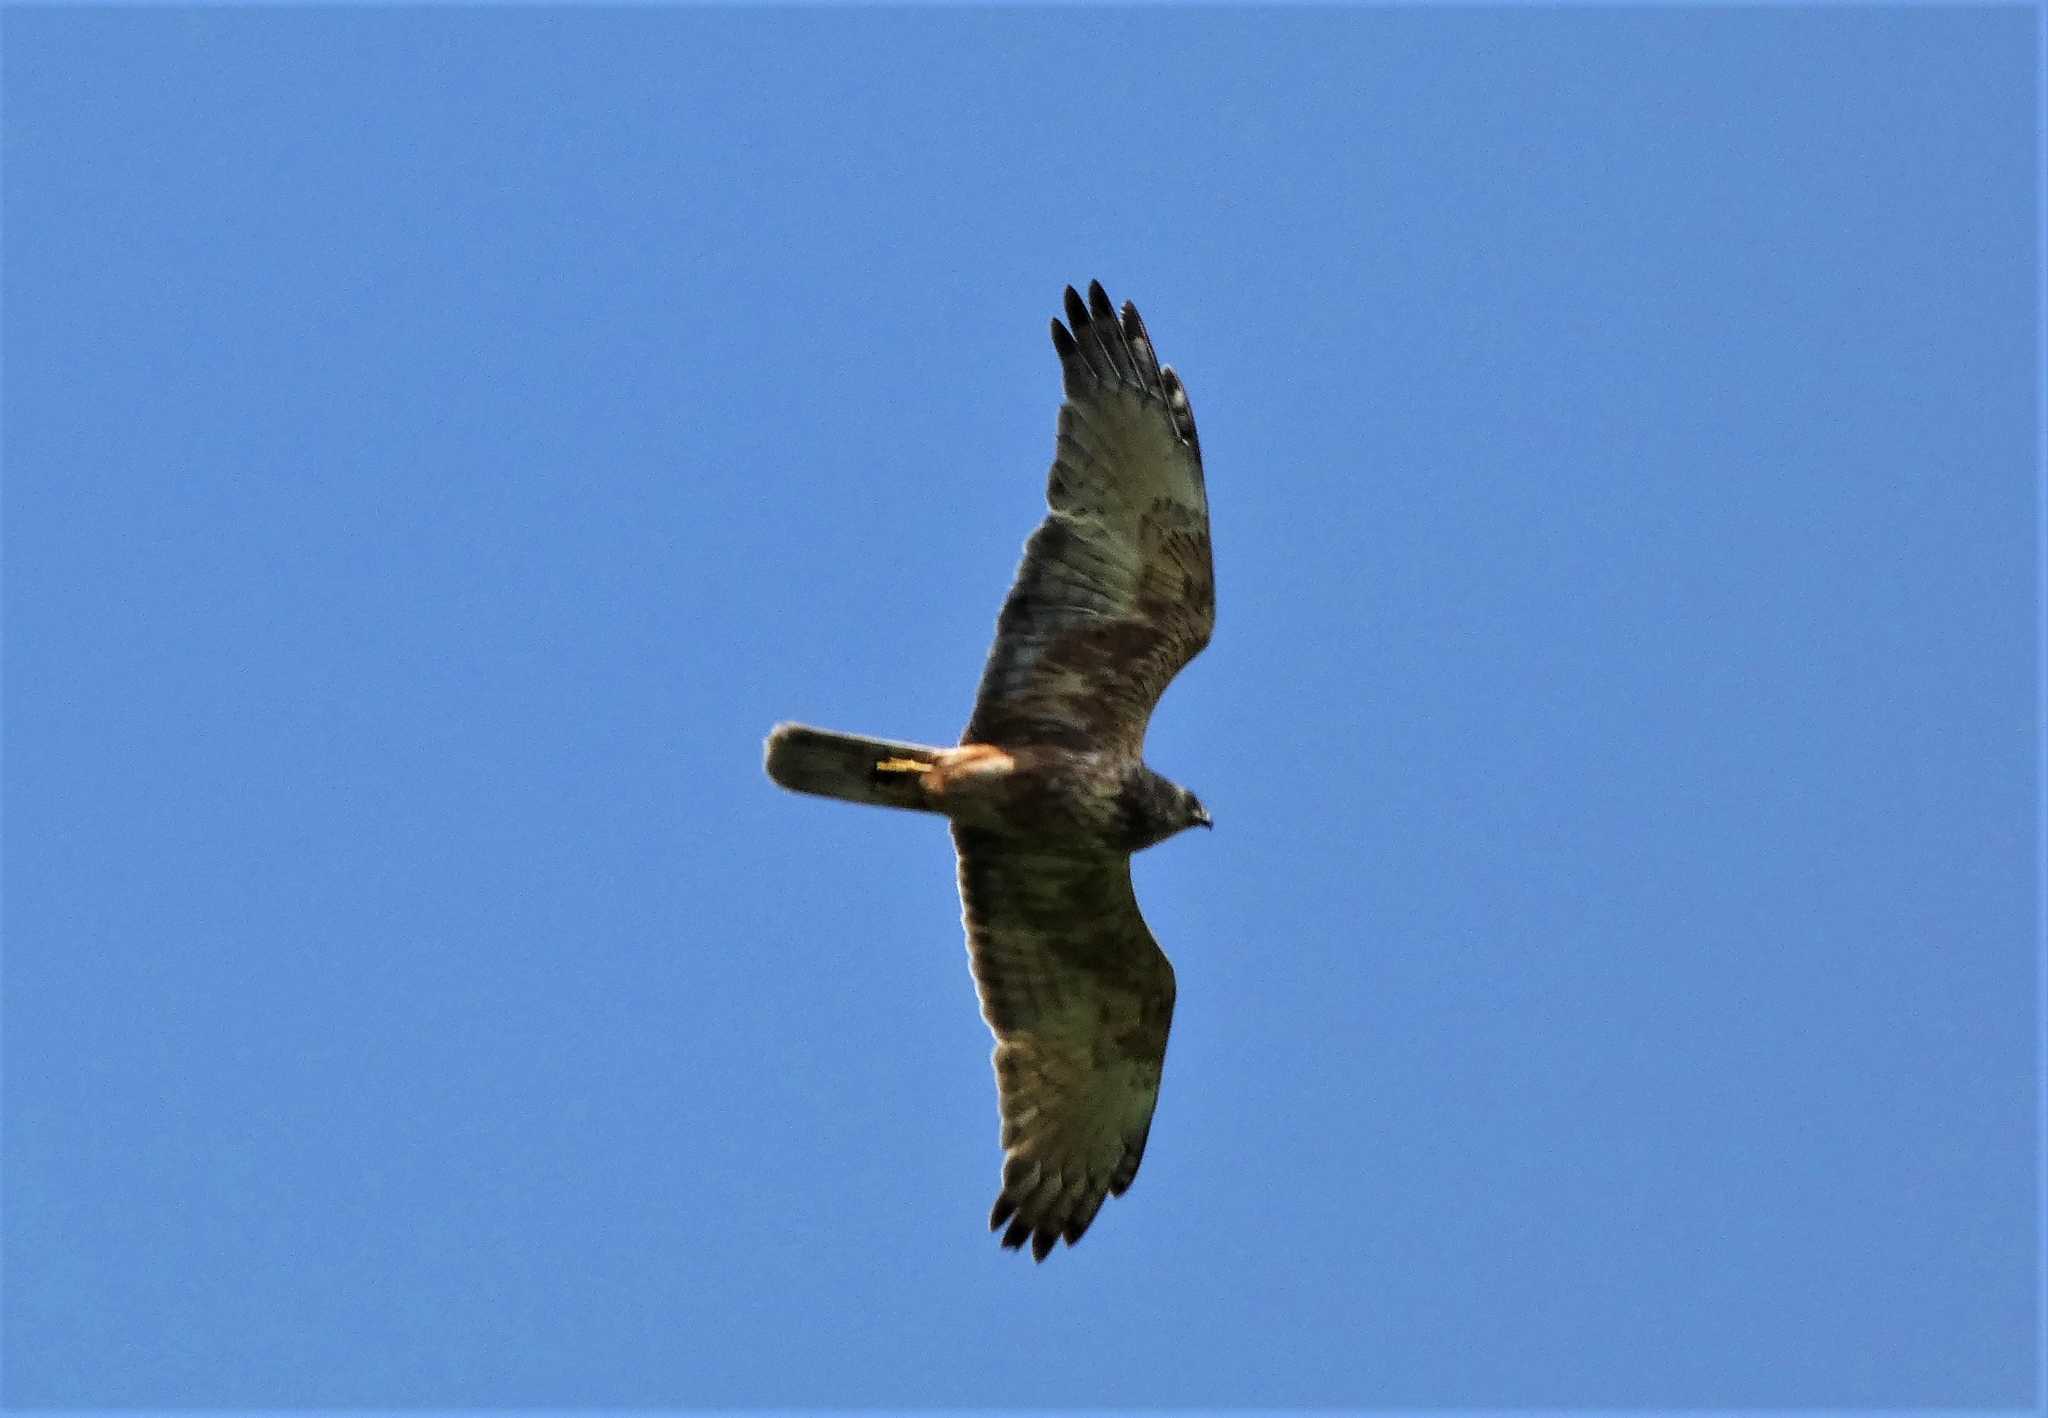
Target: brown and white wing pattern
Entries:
(1080, 998)
(1116, 592)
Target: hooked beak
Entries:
(1202, 818)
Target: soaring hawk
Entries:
(1048, 792)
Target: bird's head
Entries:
(1154, 808)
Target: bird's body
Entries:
(1048, 792)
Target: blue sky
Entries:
(440, 443)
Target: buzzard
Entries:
(1048, 792)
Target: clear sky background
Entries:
(439, 444)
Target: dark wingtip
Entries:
(1077, 313)
(1098, 302)
(1017, 1235)
(1062, 343)
(1041, 1244)
(1002, 1211)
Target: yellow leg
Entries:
(902, 765)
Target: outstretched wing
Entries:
(1117, 590)
(1080, 998)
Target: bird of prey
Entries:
(1048, 792)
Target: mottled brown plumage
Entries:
(1049, 794)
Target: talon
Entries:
(902, 765)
